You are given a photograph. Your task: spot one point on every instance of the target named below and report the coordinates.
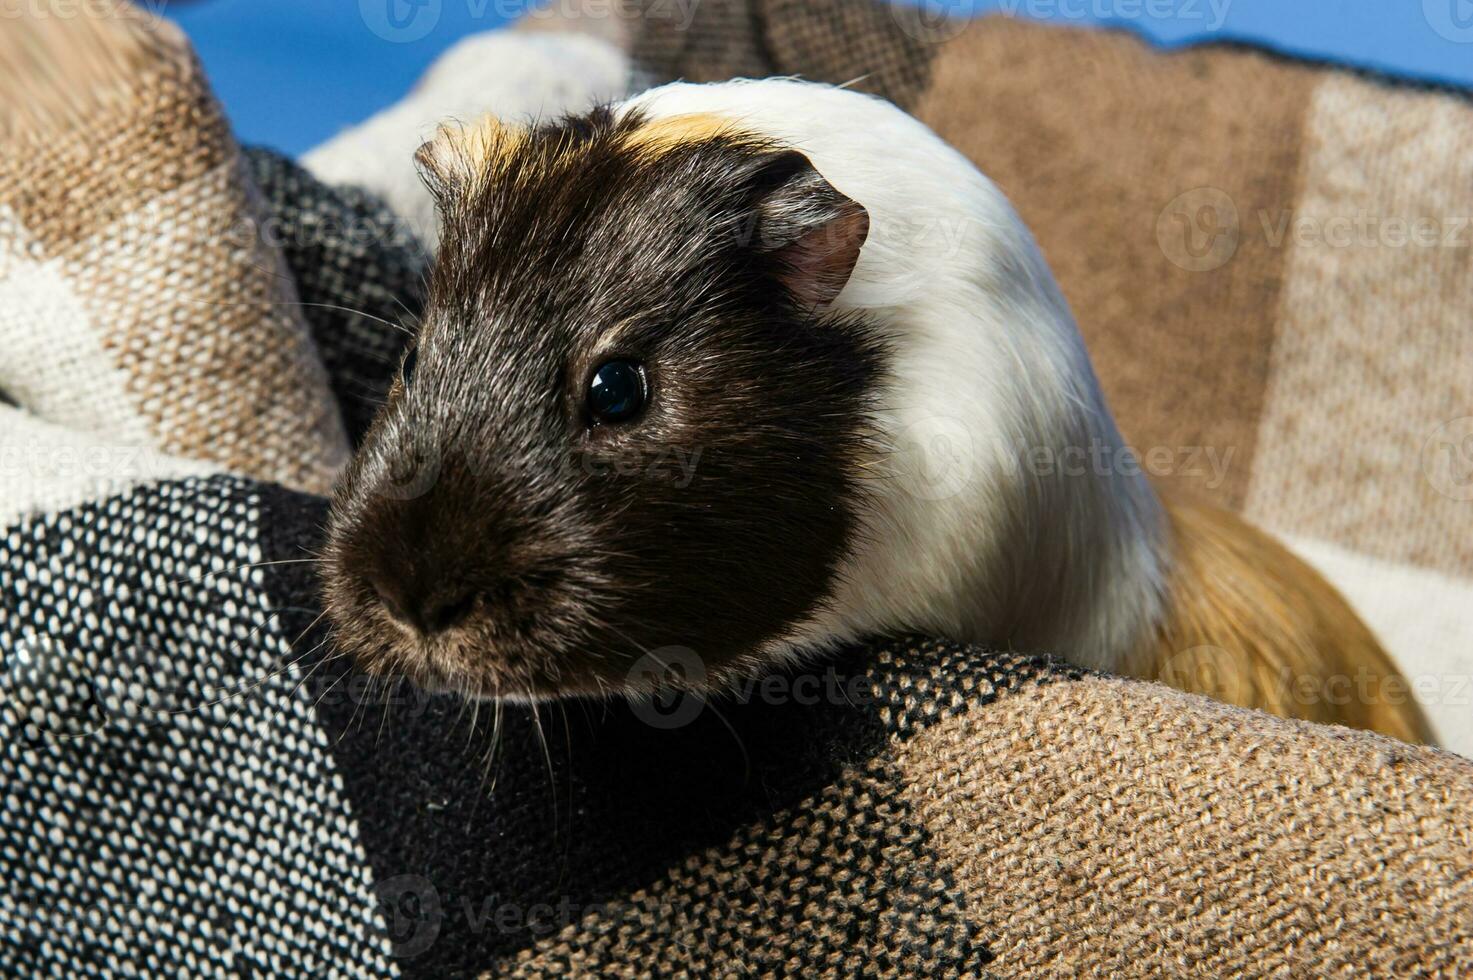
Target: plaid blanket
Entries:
(194, 784)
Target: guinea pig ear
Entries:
(460, 153)
(814, 232)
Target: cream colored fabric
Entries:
(513, 75)
(147, 301)
(1425, 618)
(1374, 350)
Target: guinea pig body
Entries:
(849, 329)
(963, 535)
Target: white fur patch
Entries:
(981, 529)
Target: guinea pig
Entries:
(761, 368)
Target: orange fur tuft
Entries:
(1249, 623)
(461, 152)
(662, 135)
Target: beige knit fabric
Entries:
(134, 269)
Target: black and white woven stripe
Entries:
(171, 805)
(359, 272)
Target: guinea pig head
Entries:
(630, 422)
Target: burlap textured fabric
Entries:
(1023, 819)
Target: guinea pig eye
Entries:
(406, 370)
(617, 392)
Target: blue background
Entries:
(294, 72)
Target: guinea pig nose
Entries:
(429, 611)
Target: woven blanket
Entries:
(194, 784)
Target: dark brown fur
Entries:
(483, 480)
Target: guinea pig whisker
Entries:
(547, 757)
(304, 678)
(348, 309)
(323, 306)
(314, 668)
(241, 695)
(325, 691)
(248, 566)
(409, 314)
(489, 773)
(360, 709)
(470, 736)
(725, 722)
(388, 706)
(231, 692)
(308, 629)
